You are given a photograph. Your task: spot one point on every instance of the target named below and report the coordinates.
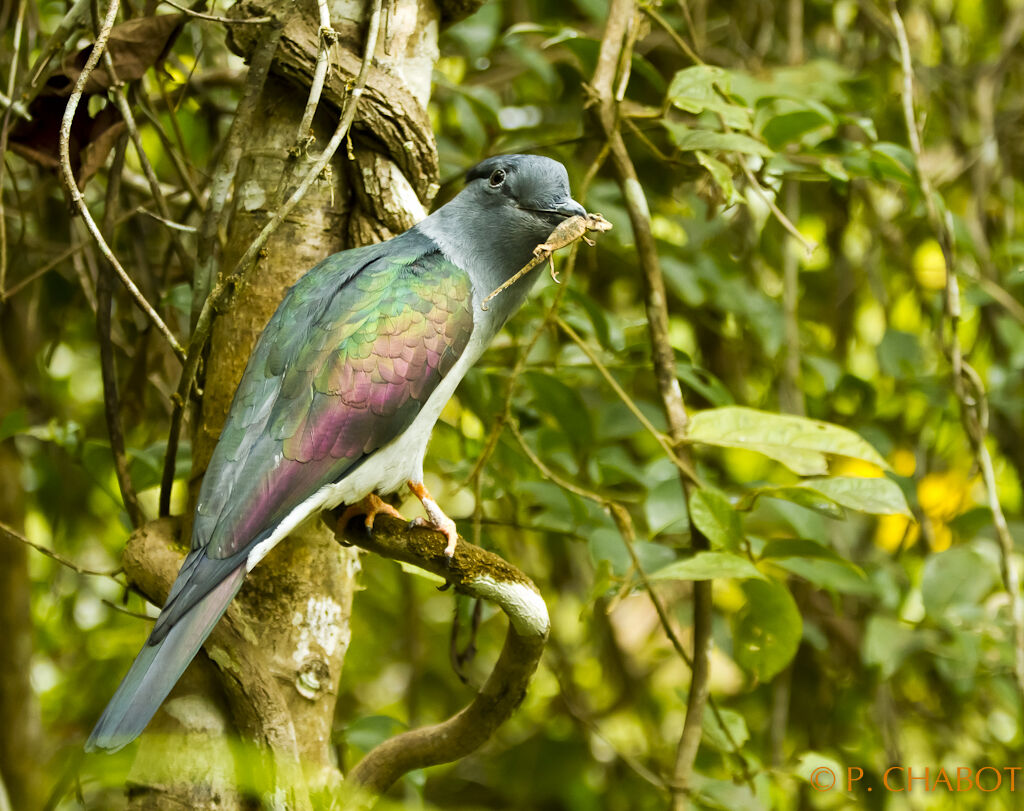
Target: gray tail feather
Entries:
(158, 667)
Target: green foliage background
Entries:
(860, 613)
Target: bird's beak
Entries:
(570, 208)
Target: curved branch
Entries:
(478, 573)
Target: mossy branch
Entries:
(479, 573)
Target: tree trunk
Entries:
(280, 690)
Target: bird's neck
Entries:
(476, 241)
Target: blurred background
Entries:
(882, 631)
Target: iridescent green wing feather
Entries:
(344, 366)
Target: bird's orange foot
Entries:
(371, 506)
(435, 518)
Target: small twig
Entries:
(684, 466)
(808, 245)
(684, 46)
(323, 60)
(5, 126)
(16, 107)
(967, 385)
(68, 176)
(63, 256)
(175, 226)
(213, 18)
(63, 561)
(125, 109)
(565, 233)
(71, 22)
(108, 369)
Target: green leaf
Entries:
(797, 442)
(565, 405)
(665, 507)
(786, 121)
(715, 732)
(701, 88)
(708, 566)
(878, 495)
(767, 631)
(888, 641)
(716, 518)
(724, 795)
(797, 548)
(722, 175)
(836, 575)
(796, 494)
(954, 582)
(691, 140)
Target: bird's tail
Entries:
(158, 666)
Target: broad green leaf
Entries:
(715, 732)
(665, 507)
(691, 140)
(700, 89)
(797, 442)
(724, 795)
(708, 566)
(767, 630)
(786, 121)
(878, 496)
(836, 575)
(714, 516)
(704, 383)
(796, 494)
(954, 582)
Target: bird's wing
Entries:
(340, 371)
(343, 367)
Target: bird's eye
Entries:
(497, 178)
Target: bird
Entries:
(339, 398)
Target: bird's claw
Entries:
(369, 507)
(436, 519)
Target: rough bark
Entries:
(278, 654)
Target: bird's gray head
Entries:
(529, 192)
(510, 205)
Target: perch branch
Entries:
(478, 573)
